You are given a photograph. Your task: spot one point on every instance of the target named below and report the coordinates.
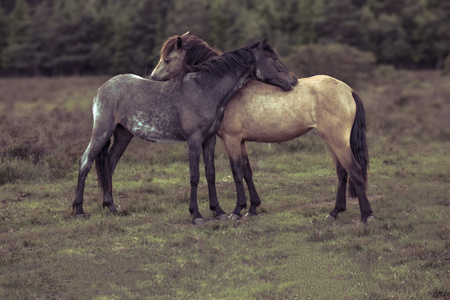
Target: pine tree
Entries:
(41, 38)
(433, 33)
(3, 33)
(340, 22)
(148, 31)
(15, 55)
(221, 17)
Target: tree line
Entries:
(73, 37)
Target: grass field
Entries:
(151, 250)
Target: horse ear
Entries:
(179, 43)
(186, 34)
(264, 43)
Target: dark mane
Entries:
(200, 57)
(197, 50)
(225, 63)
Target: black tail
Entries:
(103, 168)
(358, 143)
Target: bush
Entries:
(446, 70)
(46, 144)
(340, 61)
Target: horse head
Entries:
(270, 69)
(179, 54)
(171, 59)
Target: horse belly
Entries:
(272, 130)
(153, 129)
(271, 117)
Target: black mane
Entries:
(200, 57)
(225, 63)
(198, 52)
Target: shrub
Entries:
(337, 60)
(446, 70)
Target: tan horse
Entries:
(264, 113)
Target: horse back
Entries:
(155, 111)
(264, 113)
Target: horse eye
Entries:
(167, 61)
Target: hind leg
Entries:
(122, 138)
(208, 157)
(85, 164)
(248, 176)
(233, 147)
(354, 171)
(355, 176)
(102, 131)
(341, 200)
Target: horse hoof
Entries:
(111, 206)
(80, 216)
(367, 219)
(330, 216)
(234, 216)
(198, 221)
(329, 219)
(222, 217)
(251, 214)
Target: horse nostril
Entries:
(156, 78)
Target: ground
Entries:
(151, 249)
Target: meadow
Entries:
(150, 250)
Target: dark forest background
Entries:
(73, 37)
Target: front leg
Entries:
(194, 148)
(232, 145)
(208, 157)
(248, 176)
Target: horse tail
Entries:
(358, 143)
(103, 168)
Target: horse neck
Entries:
(228, 74)
(228, 86)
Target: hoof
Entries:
(366, 219)
(234, 216)
(330, 216)
(111, 206)
(80, 216)
(336, 211)
(222, 217)
(251, 214)
(198, 221)
(329, 219)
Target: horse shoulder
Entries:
(233, 117)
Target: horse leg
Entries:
(194, 149)
(122, 138)
(248, 177)
(208, 157)
(354, 171)
(84, 166)
(232, 145)
(341, 200)
(95, 146)
(356, 177)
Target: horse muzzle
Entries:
(286, 81)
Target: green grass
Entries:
(151, 250)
